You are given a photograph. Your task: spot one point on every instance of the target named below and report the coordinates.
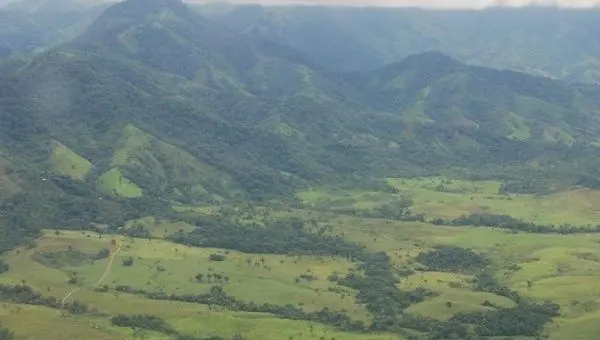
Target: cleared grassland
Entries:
(440, 197)
(561, 268)
(113, 182)
(35, 322)
(161, 265)
(65, 161)
(339, 199)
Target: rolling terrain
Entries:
(544, 41)
(163, 176)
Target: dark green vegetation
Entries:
(143, 321)
(453, 259)
(509, 222)
(6, 334)
(525, 39)
(23, 294)
(281, 237)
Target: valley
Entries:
(538, 266)
(203, 172)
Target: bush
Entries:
(128, 262)
(4, 267)
(216, 257)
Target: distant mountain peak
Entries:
(151, 3)
(430, 58)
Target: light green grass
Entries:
(248, 282)
(461, 299)
(337, 199)
(113, 182)
(36, 322)
(517, 127)
(459, 302)
(65, 161)
(439, 197)
(266, 279)
(562, 268)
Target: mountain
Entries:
(155, 104)
(543, 41)
(35, 25)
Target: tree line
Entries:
(24, 294)
(217, 297)
(512, 223)
(289, 236)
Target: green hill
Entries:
(192, 111)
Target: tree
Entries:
(216, 257)
(128, 262)
(4, 266)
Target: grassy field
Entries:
(339, 199)
(66, 162)
(161, 265)
(113, 182)
(562, 268)
(445, 198)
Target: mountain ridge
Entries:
(192, 122)
(520, 39)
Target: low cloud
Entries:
(431, 3)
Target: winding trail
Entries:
(110, 262)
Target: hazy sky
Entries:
(433, 3)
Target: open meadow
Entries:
(452, 198)
(89, 267)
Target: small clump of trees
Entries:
(143, 321)
(452, 259)
(24, 294)
(216, 257)
(128, 262)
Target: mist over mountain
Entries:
(543, 41)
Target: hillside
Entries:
(163, 176)
(191, 111)
(539, 40)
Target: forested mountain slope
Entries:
(154, 100)
(538, 40)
